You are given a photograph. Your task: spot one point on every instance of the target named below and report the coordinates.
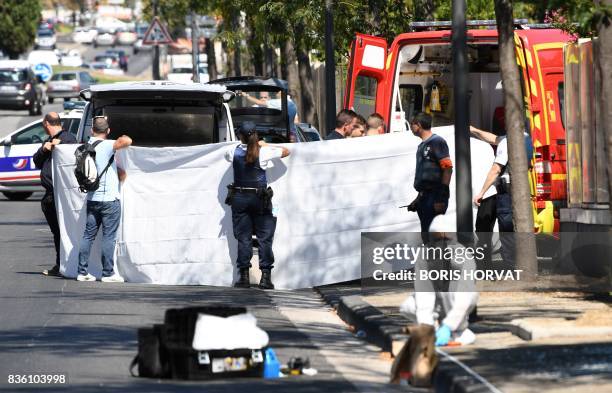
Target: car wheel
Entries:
(66, 99)
(17, 196)
(33, 108)
(51, 100)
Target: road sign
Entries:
(156, 34)
(44, 71)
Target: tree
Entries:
(18, 23)
(605, 64)
(522, 213)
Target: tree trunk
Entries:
(515, 125)
(229, 60)
(309, 113)
(212, 59)
(424, 10)
(605, 64)
(289, 70)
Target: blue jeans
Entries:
(107, 214)
(248, 215)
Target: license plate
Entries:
(62, 87)
(229, 364)
(8, 88)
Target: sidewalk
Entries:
(525, 341)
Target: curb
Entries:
(387, 333)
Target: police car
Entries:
(19, 177)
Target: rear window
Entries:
(45, 33)
(9, 76)
(163, 125)
(63, 77)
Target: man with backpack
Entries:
(43, 161)
(101, 181)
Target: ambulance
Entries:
(415, 74)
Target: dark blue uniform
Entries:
(251, 213)
(428, 179)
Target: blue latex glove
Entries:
(443, 336)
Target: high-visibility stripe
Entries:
(389, 57)
(529, 58)
(537, 122)
(19, 178)
(534, 89)
(559, 176)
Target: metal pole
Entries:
(330, 69)
(156, 75)
(195, 43)
(463, 171)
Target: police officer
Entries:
(499, 175)
(43, 159)
(250, 199)
(434, 169)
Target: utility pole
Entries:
(195, 47)
(463, 165)
(330, 68)
(156, 75)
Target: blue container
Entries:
(271, 365)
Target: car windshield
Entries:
(63, 77)
(182, 70)
(13, 76)
(45, 33)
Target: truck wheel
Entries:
(17, 196)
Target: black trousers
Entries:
(48, 208)
(485, 222)
(249, 215)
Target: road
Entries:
(88, 330)
(137, 65)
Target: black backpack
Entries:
(86, 171)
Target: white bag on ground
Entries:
(237, 331)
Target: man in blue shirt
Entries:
(103, 206)
(433, 172)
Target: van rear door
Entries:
(366, 82)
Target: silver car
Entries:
(68, 84)
(105, 37)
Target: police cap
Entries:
(247, 128)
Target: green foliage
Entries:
(476, 9)
(18, 23)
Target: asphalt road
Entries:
(87, 331)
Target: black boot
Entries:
(243, 281)
(266, 279)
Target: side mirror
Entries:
(6, 141)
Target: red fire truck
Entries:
(415, 74)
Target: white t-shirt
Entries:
(501, 156)
(266, 154)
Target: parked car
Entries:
(123, 57)
(108, 58)
(105, 37)
(68, 84)
(141, 29)
(84, 35)
(43, 56)
(126, 37)
(106, 68)
(45, 38)
(72, 59)
(196, 114)
(20, 88)
(19, 178)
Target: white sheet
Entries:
(177, 230)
